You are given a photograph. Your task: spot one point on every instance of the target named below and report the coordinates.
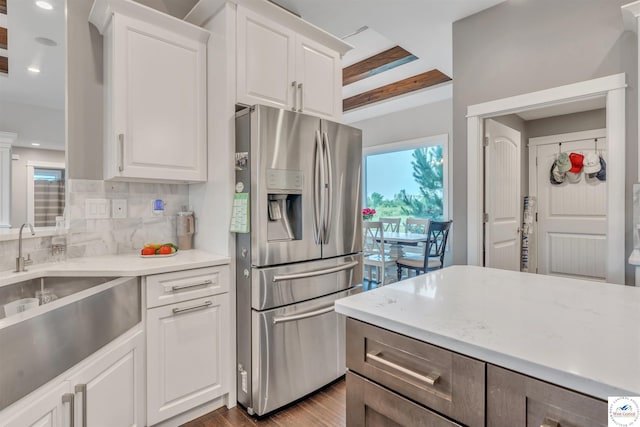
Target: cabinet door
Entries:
(109, 391)
(319, 79)
(186, 344)
(371, 405)
(517, 400)
(41, 409)
(265, 60)
(159, 103)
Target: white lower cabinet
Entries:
(186, 344)
(109, 390)
(106, 389)
(43, 409)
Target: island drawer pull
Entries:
(195, 307)
(431, 379)
(68, 398)
(191, 285)
(548, 422)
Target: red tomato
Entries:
(164, 250)
(148, 251)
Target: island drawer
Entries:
(170, 288)
(446, 382)
(518, 400)
(371, 405)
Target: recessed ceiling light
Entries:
(35, 144)
(44, 5)
(45, 41)
(34, 69)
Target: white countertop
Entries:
(578, 334)
(117, 265)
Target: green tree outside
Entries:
(427, 165)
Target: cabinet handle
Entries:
(68, 398)
(548, 422)
(195, 307)
(82, 388)
(429, 379)
(191, 285)
(301, 96)
(121, 141)
(294, 85)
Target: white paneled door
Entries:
(502, 196)
(572, 217)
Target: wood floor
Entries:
(324, 408)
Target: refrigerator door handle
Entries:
(326, 226)
(318, 205)
(314, 273)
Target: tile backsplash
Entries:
(91, 237)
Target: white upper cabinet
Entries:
(155, 94)
(279, 66)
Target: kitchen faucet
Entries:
(20, 261)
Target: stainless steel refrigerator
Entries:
(302, 252)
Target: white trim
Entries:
(630, 15)
(406, 144)
(554, 96)
(410, 144)
(568, 137)
(533, 145)
(613, 87)
(8, 137)
(31, 165)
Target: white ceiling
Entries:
(579, 106)
(422, 27)
(25, 21)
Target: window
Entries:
(45, 193)
(408, 178)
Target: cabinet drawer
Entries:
(169, 288)
(517, 400)
(447, 382)
(371, 405)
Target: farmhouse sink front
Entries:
(39, 344)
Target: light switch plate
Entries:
(96, 208)
(119, 208)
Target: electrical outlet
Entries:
(119, 208)
(96, 208)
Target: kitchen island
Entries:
(579, 335)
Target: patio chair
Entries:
(373, 249)
(433, 256)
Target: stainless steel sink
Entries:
(39, 344)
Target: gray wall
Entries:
(426, 120)
(84, 93)
(33, 124)
(520, 46)
(577, 122)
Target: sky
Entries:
(388, 173)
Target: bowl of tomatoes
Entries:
(158, 250)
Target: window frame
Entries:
(31, 166)
(412, 144)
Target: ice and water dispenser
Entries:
(284, 205)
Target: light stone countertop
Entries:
(579, 334)
(117, 265)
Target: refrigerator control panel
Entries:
(284, 180)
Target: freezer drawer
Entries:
(293, 283)
(296, 350)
